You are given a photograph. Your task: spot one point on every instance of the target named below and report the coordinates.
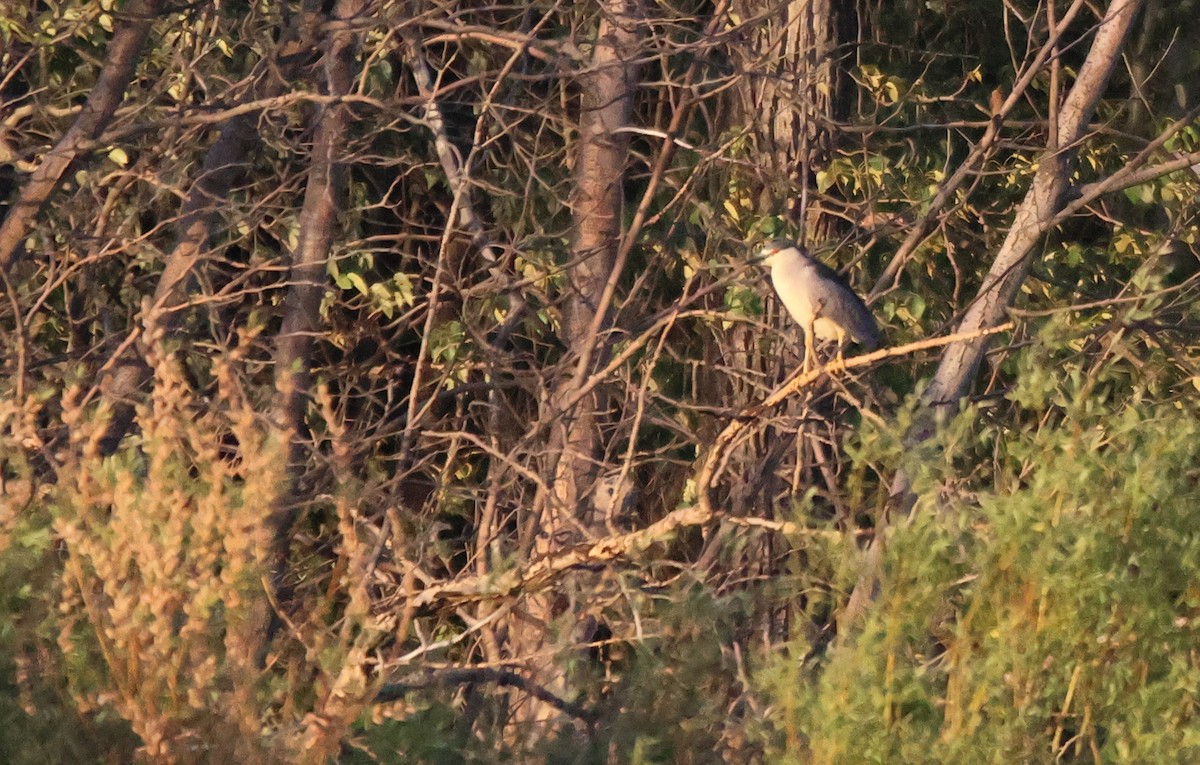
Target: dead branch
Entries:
(978, 154)
(397, 690)
(542, 573)
(123, 53)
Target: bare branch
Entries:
(981, 150)
(1041, 204)
(543, 572)
(397, 690)
(123, 52)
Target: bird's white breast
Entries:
(790, 273)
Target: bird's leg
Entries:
(810, 337)
(810, 350)
(842, 342)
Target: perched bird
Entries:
(817, 298)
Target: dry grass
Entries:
(165, 584)
(162, 574)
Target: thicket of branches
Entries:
(389, 382)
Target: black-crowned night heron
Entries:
(817, 298)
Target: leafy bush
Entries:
(1050, 618)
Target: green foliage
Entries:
(1040, 605)
(1040, 620)
(430, 735)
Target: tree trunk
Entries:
(803, 93)
(323, 200)
(574, 444)
(123, 53)
(607, 102)
(1035, 216)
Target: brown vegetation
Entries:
(387, 382)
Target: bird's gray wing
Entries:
(855, 315)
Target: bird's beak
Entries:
(765, 257)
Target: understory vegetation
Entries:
(392, 382)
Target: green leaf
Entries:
(358, 282)
(916, 304)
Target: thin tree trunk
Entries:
(607, 102)
(596, 206)
(920, 229)
(1034, 217)
(960, 361)
(200, 221)
(123, 53)
(802, 94)
(323, 199)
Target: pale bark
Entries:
(983, 148)
(561, 507)
(1037, 211)
(607, 102)
(1034, 217)
(457, 175)
(795, 105)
